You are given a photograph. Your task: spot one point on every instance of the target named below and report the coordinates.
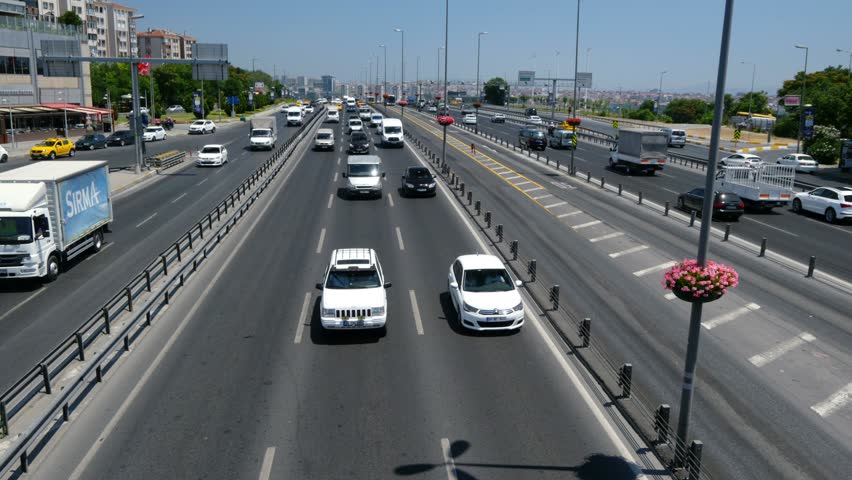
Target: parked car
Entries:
(484, 294)
(359, 142)
(469, 119)
(833, 203)
(154, 133)
(725, 204)
(52, 148)
(79, 125)
(801, 162)
(498, 118)
(200, 127)
(121, 138)
(216, 155)
(532, 139)
(91, 142)
(418, 181)
(741, 160)
(175, 109)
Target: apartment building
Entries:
(160, 43)
(110, 30)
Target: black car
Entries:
(121, 138)
(359, 142)
(531, 111)
(91, 142)
(418, 181)
(532, 139)
(725, 204)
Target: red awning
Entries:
(77, 108)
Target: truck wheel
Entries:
(830, 215)
(97, 241)
(52, 268)
(797, 205)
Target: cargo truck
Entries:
(639, 151)
(263, 133)
(762, 187)
(51, 212)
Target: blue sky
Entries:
(631, 41)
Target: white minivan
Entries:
(363, 176)
(332, 116)
(294, 116)
(676, 137)
(392, 134)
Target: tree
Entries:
(829, 92)
(686, 110)
(70, 18)
(493, 94)
(758, 101)
(642, 114)
(647, 105)
(825, 145)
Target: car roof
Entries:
(478, 262)
(325, 130)
(363, 160)
(353, 258)
(213, 145)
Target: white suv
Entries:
(484, 294)
(201, 127)
(834, 203)
(353, 291)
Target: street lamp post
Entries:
(64, 97)
(802, 99)
(586, 93)
(446, 54)
(840, 50)
(478, 46)
(438, 79)
(402, 69)
(385, 79)
(109, 107)
(137, 118)
(576, 58)
(11, 124)
(660, 92)
(751, 96)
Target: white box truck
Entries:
(639, 150)
(51, 212)
(263, 133)
(294, 116)
(761, 188)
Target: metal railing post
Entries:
(586, 331)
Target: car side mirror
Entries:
(319, 286)
(434, 176)
(384, 174)
(454, 285)
(344, 174)
(388, 284)
(519, 283)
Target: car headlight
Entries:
(327, 312)
(377, 311)
(431, 185)
(468, 308)
(518, 307)
(351, 146)
(409, 185)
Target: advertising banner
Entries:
(85, 203)
(808, 125)
(250, 98)
(196, 102)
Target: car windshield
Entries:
(342, 279)
(487, 280)
(198, 123)
(363, 170)
(377, 117)
(211, 150)
(678, 133)
(393, 129)
(419, 173)
(294, 114)
(15, 230)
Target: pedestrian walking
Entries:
(473, 148)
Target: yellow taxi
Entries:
(339, 107)
(52, 148)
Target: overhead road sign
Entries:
(584, 80)
(526, 77)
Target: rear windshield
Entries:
(357, 136)
(354, 122)
(332, 113)
(537, 134)
(678, 133)
(294, 114)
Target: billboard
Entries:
(196, 102)
(792, 100)
(85, 203)
(808, 125)
(526, 77)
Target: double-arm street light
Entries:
(478, 46)
(802, 99)
(137, 118)
(840, 50)
(402, 66)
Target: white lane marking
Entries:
(75, 475)
(417, 321)
(330, 199)
(338, 160)
(557, 204)
(730, 316)
(770, 355)
(521, 183)
(303, 317)
(143, 222)
(23, 302)
(178, 198)
(628, 251)
(542, 196)
(199, 183)
(569, 214)
(399, 238)
(266, 466)
(512, 178)
(219, 170)
(321, 239)
(669, 296)
(531, 189)
(335, 177)
(586, 225)
(834, 402)
(341, 148)
(655, 268)
(449, 462)
(670, 190)
(666, 175)
(606, 237)
(506, 172)
(770, 226)
(390, 199)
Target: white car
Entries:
(175, 109)
(154, 133)
(309, 108)
(376, 120)
(498, 118)
(212, 155)
(535, 120)
(365, 114)
(432, 108)
(332, 116)
(353, 291)
(484, 294)
(4, 155)
(200, 127)
(833, 203)
(801, 162)
(469, 119)
(355, 124)
(741, 160)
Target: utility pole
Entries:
(576, 58)
(751, 95)
(385, 79)
(137, 118)
(840, 50)
(478, 46)
(402, 67)
(802, 99)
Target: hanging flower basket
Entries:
(692, 283)
(573, 121)
(402, 103)
(477, 104)
(445, 120)
(437, 97)
(385, 96)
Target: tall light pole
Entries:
(109, 107)
(751, 96)
(446, 54)
(660, 92)
(478, 46)
(64, 97)
(402, 66)
(252, 63)
(802, 99)
(586, 93)
(11, 124)
(556, 82)
(576, 58)
(385, 80)
(438, 80)
(134, 77)
(840, 50)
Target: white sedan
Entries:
(741, 160)
(801, 162)
(833, 203)
(469, 119)
(212, 155)
(484, 294)
(154, 133)
(535, 120)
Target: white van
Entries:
(363, 175)
(392, 134)
(332, 116)
(676, 138)
(294, 116)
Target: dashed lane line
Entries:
(416, 310)
(303, 317)
(569, 214)
(143, 222)
(655, 268)
(399, 239)
(266, 466)
(630, 250)
(321, 240)
(586, 225)
(834, 402)
(773, 353)
(330, 199)
(557, 204)
(730, 316)
(606, 237)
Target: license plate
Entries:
(421, 189)
(731, 207)
(494, 319)
(353, 323)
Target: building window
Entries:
(14, 65)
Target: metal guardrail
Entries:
(37, 382)
(166, 159)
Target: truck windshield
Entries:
(363, 170)
(393, 129)
(261, 133)
(15, 230)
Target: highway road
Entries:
(775, 367)
(35, 317)
(798, 236)
(239, 381)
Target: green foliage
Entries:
(825, 145)
(523, 98)
(642, 114)
(70, 18)
(664, 118)
(648, 105)
(758, 100)
(830, 93)
(687, 110)
(706, 118)
(727, 106)
(787, 127)
(493, 94)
